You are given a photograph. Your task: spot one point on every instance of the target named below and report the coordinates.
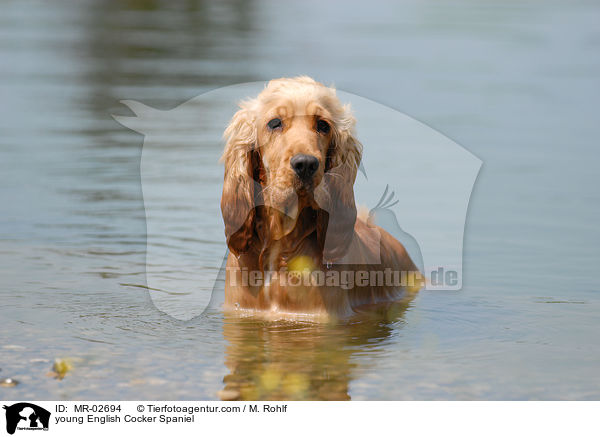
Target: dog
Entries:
(297, 246)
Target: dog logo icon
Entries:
(26, 416)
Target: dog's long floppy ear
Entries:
(238, 199)
(335, 194)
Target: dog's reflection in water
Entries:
(270, 360)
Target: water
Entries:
(515, 83)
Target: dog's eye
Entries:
(323, 126)
(274, 124)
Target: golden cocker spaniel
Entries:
(297, 248)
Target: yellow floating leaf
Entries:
(61, 367)
(301, 263)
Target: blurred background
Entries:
(514, 82)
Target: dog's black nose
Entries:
(305, 166)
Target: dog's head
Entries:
(290, 148)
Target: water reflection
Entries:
(164, 52)
(303, 361)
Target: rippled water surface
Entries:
(516, 83)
